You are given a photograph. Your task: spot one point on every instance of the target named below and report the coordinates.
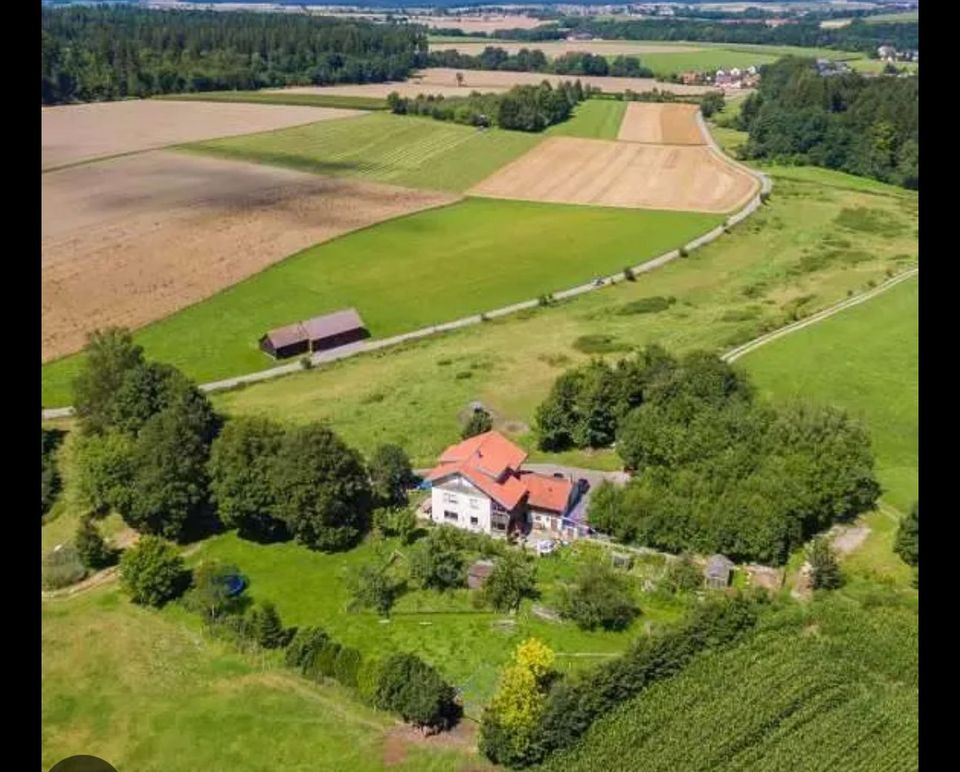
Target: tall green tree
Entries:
(91, 547)
(321, 488)
(107, 357)
(480, 421)
(825, 570)
(437, 562)
(390, 475)
(241, 484)
(266, 627)
(513, 578)
(600, 596)
(104, 471)
(372, 587)
(907, 544)
(409, 686)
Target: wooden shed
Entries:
(318, 334)
(716, 574)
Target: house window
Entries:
(474, 504)
(449, 498)
(452, 516)
(474, 520)
(500, 526)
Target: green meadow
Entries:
(282, 98)
(401, 150)
(865, 360)
(423, 269)
(798, 254)
(593, 119)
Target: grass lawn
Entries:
(411, 272)
(664, 64)
(146, 691)
(889, 18)
(468, 645)
(402, 150)
(863, 359)
(274, 98)
(791, 253)
(594, 119)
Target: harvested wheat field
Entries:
(552, 48)
(73, 133)
(501, 79)
(661, 124)
(628, 174)
(407, 88)
(130, 240)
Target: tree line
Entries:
(111, 52)
(527, 60)
(864, 126)
(856, 36)
(522, 108)
(717, 470)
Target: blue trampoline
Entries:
(235, 584)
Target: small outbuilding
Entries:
(318, 334)
(478, 573)
(716, 574)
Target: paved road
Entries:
(373, 345)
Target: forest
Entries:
(856, 36)
(102, 53)
(526, 60)
(522, 108)
(860, 125)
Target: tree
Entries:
(169, 491)
(600, 597)
(509, 723)
(144, 391)
(321, 488)
(347, 666)
(108, 355)
(91, 548)
(390, 474)
(49, 473)
(241, 484)
(211, 593)
(371, 586)
(307, 641)
(907, 544)
(683, 575)
(104, 471)
(152, 572)
(436, 562)
(266, 628)
(459, 77)
(409, 686)
(479, 423)
(825, 574)
(513, 578)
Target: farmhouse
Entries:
(479, 485)
(317, 334)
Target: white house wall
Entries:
(458, 496)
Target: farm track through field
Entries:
(377, 344)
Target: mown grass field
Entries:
(468, 645)
(401, 150)
(833, 686)
(594, 119)
(865, 360)
(146, 691)
(408, 273)
(791, 255)
(276, 98)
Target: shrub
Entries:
(513, 578)
(368, 679)
(764, 197)
(409, 686)
(480, 421)
(210, 592)
(347, 666)
(437, 562)
(324, 660)
(152, 572)
(266, 628)
(61, 567)
(825, 574)
(907, 544)
(683, 575)
(306, 362)
(305, 644)
(649, 305)
(91, 548)
(629, 275)
(600, 597)
(683, 252)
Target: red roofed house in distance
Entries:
(479, 485)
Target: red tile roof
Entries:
(545, 492)
(492, 463)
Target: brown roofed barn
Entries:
(318, 334)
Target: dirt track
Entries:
(133, 239)
(628, 174)
(660, 123)
(75, 133)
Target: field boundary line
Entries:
(735, 353)
(362, 347)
